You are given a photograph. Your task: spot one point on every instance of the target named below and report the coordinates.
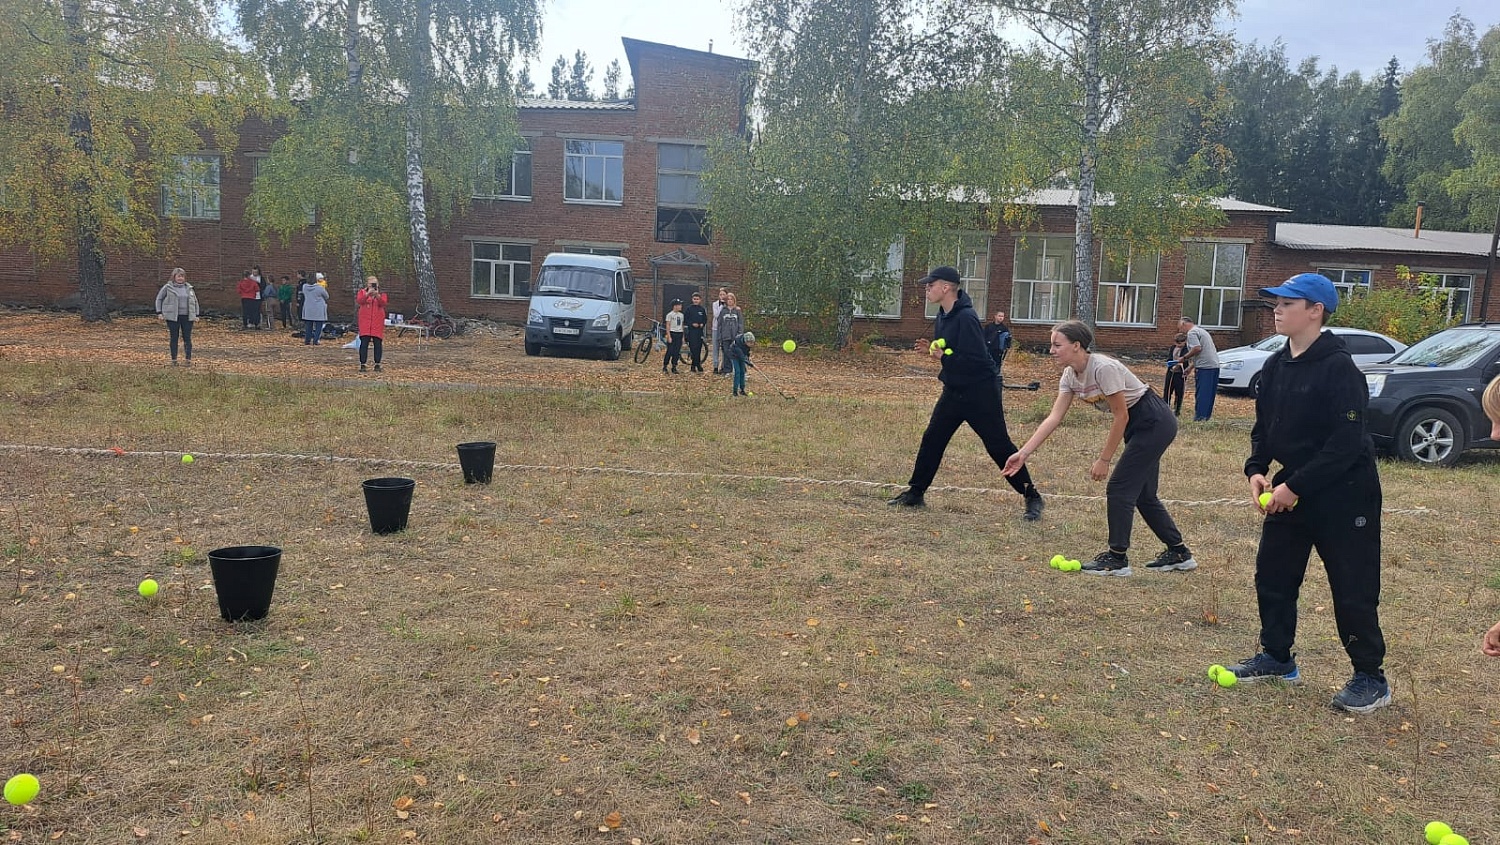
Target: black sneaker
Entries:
(1264, 667)
(1034, 505)
(1109, 562)
(362, 367)
(1365, 693)
(1170, 561)
(908, 499)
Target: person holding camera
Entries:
(371, 300)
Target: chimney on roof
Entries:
(1420, 207)
(710, 45)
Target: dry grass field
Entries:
(660, 625)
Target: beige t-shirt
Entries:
(1102, 377)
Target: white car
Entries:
(1239, 368)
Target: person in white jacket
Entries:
(178, 305)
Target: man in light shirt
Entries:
(1203, 358)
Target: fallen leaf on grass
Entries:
(694, 736)
(404, 802)
(613, 820)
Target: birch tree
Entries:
(100, 99)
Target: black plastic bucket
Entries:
(244, 578)
(389, 502)
(477, 460)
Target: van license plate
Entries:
(564, 330)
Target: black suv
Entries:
(1424, 403)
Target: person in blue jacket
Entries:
(971, 393)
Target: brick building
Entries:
(622, 178)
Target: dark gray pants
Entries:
(1132, 486)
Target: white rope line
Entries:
(606, 470)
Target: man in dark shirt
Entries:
(971, 393)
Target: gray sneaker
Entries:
(1264, 667)
(1365, 693)
(1170, 561)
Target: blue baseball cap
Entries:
(1312, 287)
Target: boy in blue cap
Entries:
(1310, 418)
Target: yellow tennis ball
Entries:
(22, 789)
(148, 588)
(941, 343)
(1227, 678)
(1435, 831)
(947, 351)
(1214, 671)
(1265, 500)
(1453, 839)
(789, 346)
(1057, 561)
(187, 459)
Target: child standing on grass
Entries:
(1491, 403)
(1176, 383)
(1310, 418)
(1146, 425)
(675, 324)
(739, 358)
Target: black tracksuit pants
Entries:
(674, 352)
(695, 348)
(980, 406)
(1343, 524)
(1133, 483)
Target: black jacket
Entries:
(694, 317)
(1310, 418)
(959, 328)
(997, 341)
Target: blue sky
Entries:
(1351, 34)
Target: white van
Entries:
(582, 302)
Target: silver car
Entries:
(1239, 368)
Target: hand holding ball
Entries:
(148, 588)
(22, 789)
(1265, 500)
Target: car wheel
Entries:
(614, 350)
(1430, 436)
(533, 349)
(1254, 388)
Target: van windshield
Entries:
(586, 282)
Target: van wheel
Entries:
(1430, 436)
(533, 349)
(614, 350)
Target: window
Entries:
(1348, 282)
(192, 191)
(680, 198)
(506, 180)
(970, 255)
(501, 270)
(594, 171)
(885, 299)
(1363, 344)
(1213, 281)
(1043, 288)
(1456, 289)
(1127, 289)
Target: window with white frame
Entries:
(594, 171)
(191, 191)
(1128, 285)
(1042, 283)
(885, 298)
(1213, 282)
(1349, 282)
(970, 255)
(501, 270)
(1457, 290)
(505, 180)
(681, 201)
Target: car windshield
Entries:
(1451, 348)
(1270, 344)
(586, 282)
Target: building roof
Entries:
(1317, 236)
(575, 105)
(1068, 198)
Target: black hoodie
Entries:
(1310, 417)
(959, 328)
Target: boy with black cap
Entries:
(971, 393)
(1310, 418)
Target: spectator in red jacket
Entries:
(371, 300)
(249, 288)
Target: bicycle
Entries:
(438, 324)
(655, 339)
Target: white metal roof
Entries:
(1317, 236)
(577, 105)
(1068, 197)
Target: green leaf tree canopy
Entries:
(101, 101)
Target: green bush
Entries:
(1406, 314)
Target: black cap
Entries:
(676, 302)
(942, 274)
